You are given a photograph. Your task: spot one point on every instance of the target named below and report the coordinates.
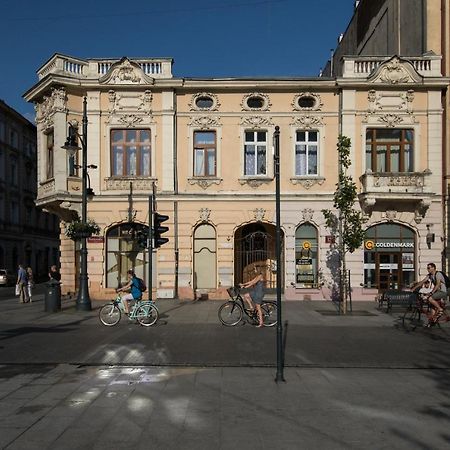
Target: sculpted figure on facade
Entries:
(259, 213)
(55, 102)
(204, 214)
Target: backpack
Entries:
(141, 285)
(446, 278)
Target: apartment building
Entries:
(28, 234)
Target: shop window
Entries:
(124, 253)
(130, 153)
(204, 153)
(255, 153)
(306, 257)
(389, 150)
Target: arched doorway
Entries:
(205, 257)
(389, 256)
(306, 256)
(123, 253)
(254, 247)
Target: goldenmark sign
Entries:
(370, 245)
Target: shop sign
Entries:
(305, 278)
(387, 266)
(96, 239)
(329, 239)
(303, 262)
(371, 245)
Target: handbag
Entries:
(17, 289)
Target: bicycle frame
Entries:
(137, 303)
(235, 295)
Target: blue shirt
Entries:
(135, 291)
(22, 275)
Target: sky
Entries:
(206, 38)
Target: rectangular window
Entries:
(306, 153)
(50, 155)
(14, 139)
(13, 173)
(2, 131)
(130, 153)
(204, 153)
(14, 212)
(255, 153)
(389, 150)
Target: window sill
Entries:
(204, 182)
(255, 181)
(308, 181)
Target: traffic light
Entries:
(141, 238)
(158, 229)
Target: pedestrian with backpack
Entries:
(438, 294)
(134, 285)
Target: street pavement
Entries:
(358, 381)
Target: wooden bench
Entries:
(395, 297)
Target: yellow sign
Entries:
(370, 245)
(306, 245)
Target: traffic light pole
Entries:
(150, 244)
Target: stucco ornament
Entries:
(126, 72)
(395, 71)
(204, 214)
(193, 103)
(307, 122)
(308, 214)
(265, 98)
(130, 120)
(391, 215)
(259, 213)
(205, 122)
(317, 102)
(256, 122)
(55, 102)
(308, 182)
(390, 120)
(146, 102)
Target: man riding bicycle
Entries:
(135, 294)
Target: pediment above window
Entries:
(205, 122)
(395, 71)
(257, 122)
(125, 72)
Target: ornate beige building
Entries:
(207, 144)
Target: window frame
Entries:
(389, 144)
(307, 144)
(138, 144)
(50, 155)
(256, 144)
(204, 148)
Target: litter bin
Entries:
(53, 296)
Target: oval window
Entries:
(255, 102)
(204, 102)
(306, 102)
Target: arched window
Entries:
(205, 257)
(124, 253)
(306, 245)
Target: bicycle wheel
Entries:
(147, 315)
(109, 314)
(230, 314)
(411, 319)
(269, 310)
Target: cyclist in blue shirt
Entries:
(135, 292)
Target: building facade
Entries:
(207, 146)
(28, 235)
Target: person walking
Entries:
(54, 274)
(22, 284)
(30, 283)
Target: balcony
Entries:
(412, 190)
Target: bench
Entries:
(395, 297)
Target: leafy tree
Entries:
(348, 223)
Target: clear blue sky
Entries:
(206, 38)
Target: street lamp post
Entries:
(276, 157)
(83, 302)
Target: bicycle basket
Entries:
(232, 291)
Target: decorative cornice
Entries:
(266, 100)
(205, 122)
(307, 122)
(193, 106)
(395, 71)
(413, 180)
(308, 182)
(204, 182)
(256, 122)
(317, 102)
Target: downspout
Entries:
(175, 203)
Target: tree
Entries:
(348, 223)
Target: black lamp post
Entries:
(276, 160)
(83, 302)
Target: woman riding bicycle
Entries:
(256, 294)
(135, 294)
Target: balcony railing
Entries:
(96, 68)
(405, 183)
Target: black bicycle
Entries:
(232, 312)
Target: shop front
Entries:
(389, 257)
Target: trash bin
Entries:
(53, 296)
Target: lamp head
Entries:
(90, 194)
